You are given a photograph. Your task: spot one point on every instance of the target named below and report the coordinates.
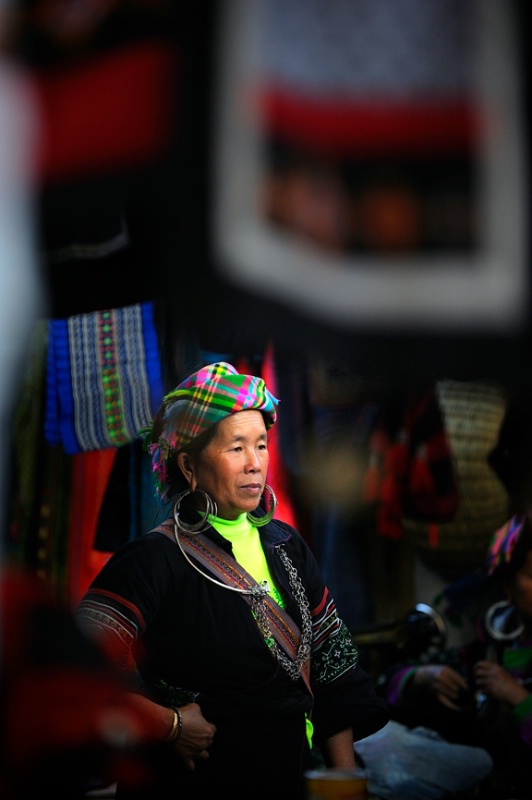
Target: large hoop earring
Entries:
(258, 522)
(502, 622)
(196, 527)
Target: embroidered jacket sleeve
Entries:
(115, 610)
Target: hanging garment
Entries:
(103, 378)
(411, 470)
(89, 480)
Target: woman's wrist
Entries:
(177, 725)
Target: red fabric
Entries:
(390, 509)
(90, 476)
(67, 708)
(111, 112)
(342, 126)
(412, 469)
(421, 481)
(277, 472)
(54, 709)
(433, 534)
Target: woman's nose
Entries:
(254, 461)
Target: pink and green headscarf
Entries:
(503, 543)
(199, 402)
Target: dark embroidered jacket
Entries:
(185, 631)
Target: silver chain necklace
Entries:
(293, 668)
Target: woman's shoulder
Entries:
(150, 545)
(295, 545)
(165, 529)
(278, 532)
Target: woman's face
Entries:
(233, 467)
(521, 588)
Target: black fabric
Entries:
(97, 237)
(114, 520)
(511, 457)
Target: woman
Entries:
(242, 657)
(479, 693)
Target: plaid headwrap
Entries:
(199, 402)
(503, 543)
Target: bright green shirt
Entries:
(247, 549)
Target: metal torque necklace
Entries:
(260, 590)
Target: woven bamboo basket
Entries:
(472, 414)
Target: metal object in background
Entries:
(421, 629)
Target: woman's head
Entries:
(233, 466)
(189, 421)
(510, 561)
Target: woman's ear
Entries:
(184, 462)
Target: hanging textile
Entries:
(456, 546)
(90, 477)
(103, 378)
(411, 472)
(277, 472)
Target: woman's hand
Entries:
(444, 682)
(196, 735)
(496, 682)
(196, 732)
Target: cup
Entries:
(336, 784)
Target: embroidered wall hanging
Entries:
(103, 378)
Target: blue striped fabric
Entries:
(103, 378)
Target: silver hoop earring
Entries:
(502, 622)
(258, 522)
(197, 527)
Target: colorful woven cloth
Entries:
(198, 403)
(503, 543)
(103, 378)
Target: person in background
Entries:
(243, 661)
(479, 693)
